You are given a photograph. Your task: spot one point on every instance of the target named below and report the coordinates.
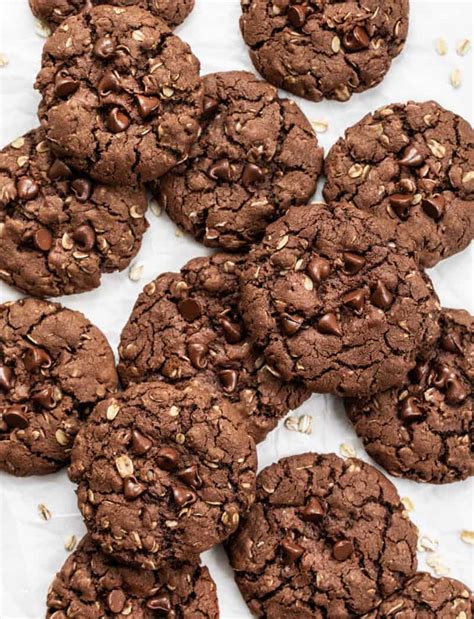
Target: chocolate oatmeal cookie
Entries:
(91, 585)
(164, 472)
(412, 164)
(324, 48)
(334, 297)
(121, 95)
(59, 231)
(54, 366)
(256, 156)
(188, 324)
(326, 537)
(422, 430)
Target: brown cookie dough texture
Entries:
(54, 366)
(188, 324)
(256, 156)
(422, 430)
(412, 164)
(54, 12)
(326, 537)
(59, 231)
(121, 95)
(426, 597)
(335, 298)
(91, 585)
(164, 473)
(324, 48)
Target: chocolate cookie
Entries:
(324, 48)
(188, 324)
(256, 156)
(412, 164)
(426, 597)
(54, 12)
(54, 366)
(164, 472)
(121, 94)
(422, 430)
(334, 297)
(90, 585)
(326, 537)
(59, 231)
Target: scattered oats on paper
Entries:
(427, 544)
(347, 451)
(42, 30)
(3, 60)
(155, 208)
(455, 78)
(44, 512)
(463, 47)
(467, 537)
(408, 504)
(135, 272)
(434, 561)
(303, 424)
(70, 543)
(320, 125)
(441, 46)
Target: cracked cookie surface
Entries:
(335, 298)
(187, 325)
(413, 164)
(121, 95)
(54, 366)
(91, 585)
(164, 472)
(326, 537)
(422, 430)
(256, 156)
(54, 12)
(426, 597)
(324, 48)
(59, 231)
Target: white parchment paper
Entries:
(32, 550)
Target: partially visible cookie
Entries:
(324, 48)
(121, 95)
(164, 472)
(412, 164)
(326, 537)
(91, 585)
(188, 324)
(54, 366)
(54, 12)
(426, 597)
(422, 430)
(335, 298)
(59, 231)
(256, 156)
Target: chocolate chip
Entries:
(160, 602)
(104, 48)
(59, 170)
(233, 331)
(229, 380)
(355, 299)
(319, 269)
(27, 189)
(410, 410)
(356, 40)
(456, 393)
(190, 309)
(381, 297)
(35, 358)
(140, 444)
(42, 239)
(65, 85)
(132, 488)
(291, 324)
(84, 237)
(167, 459)
(221, 169)
(297, 15)
(190, 476)
(82, 188)
(252, 174)
(443, 374)
(197, 354)
(147, 105)
(45, 397)
(117, 120)
(401, 203)
(6, 377)
(291, 551)
(451, 342)
(353, 263)
(342, 550)
(434, 206)
(184, 496)
(116, 600)
(210, 106)
(15, 417)
(329, 325)
(313, 511)
(411, 157)
(419, 372)
(110, 82)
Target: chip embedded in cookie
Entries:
(335, 297)
(421, 430)
(121, 95)
(59, 231)
(54, 366)
(414, 165)
(324, 48)
(256, 156)
(326, 537)
(164, 472)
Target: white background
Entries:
(32, 550)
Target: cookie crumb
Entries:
(70, 543)
(441, 46)
(463, 47)
(467, 536)
(44, 512)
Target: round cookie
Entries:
(256, 156)
(164, 472)
(93, 586)
(335, 298)
(54, 366)
(188, 324)
(324, 48)
(326, 537)
(54, 12)
(121, 95)
(412, 164)
(421, 430)
(58, 230)
(426, 597)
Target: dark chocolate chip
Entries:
(6, 377)
(329, 325)
(116, 600)
(140, 444)
(35, 358)
(184, 496)
(401, 203)
(291, 551)
(45, 397)
(210, 106)
(313, 511)
(342, 550)
(221, 169)
(434, 206)
(297, 15)
(105, 48)
(84, 237)
(190, 476)
(443, 374)
(110, 82)
(160, 602)
(319, 269)
(229, 380)
(65, 85)
(132, 488)
(419, 372)
(455, 392)
(15, 416)
(167, 459)
(291, 324)
(27, 189)
(410, 410)
(233, 331)
(355, 299)
(117, 120)
(147, 105)
(356, 40)
(59, 170)
(381, 297)
(411, 157)
(190, 309)
(252, 174)
(197, 354)
(451, 342)
(82, 188)
(353, 263)
(42, 239)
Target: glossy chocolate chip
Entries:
(401, 203)
(35, 358)
(297, 15)
(291, 551)
(117, 120)
(229, 380)
(183, 496)
(313, 511)
(356, 40)
(59, 170)
(27, 189)
(329, 324)
(6, 377)
(110, 82)
(233, 331)
(82, 188)
(434, 206)
(419, 373)
(159, 602)
(353, 263)
(455, 392)
(190, 309)
(381, 297)
(291, 324)
(167, 459)
(221, 170)
(342, 550)
(410, 410)
(105, 48)
(252, 174)
(15, 417)
(140, 443)
(451, 342)
(65, 85)
(355, 299)
(209, 107)
(190, 476)
(45, 397)
(147, 105)
(411, 157)
(198, 354)
(116, 600)
(442, 374)
(42, 239)
(84, 237)
(132, 488)
(319, 269)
